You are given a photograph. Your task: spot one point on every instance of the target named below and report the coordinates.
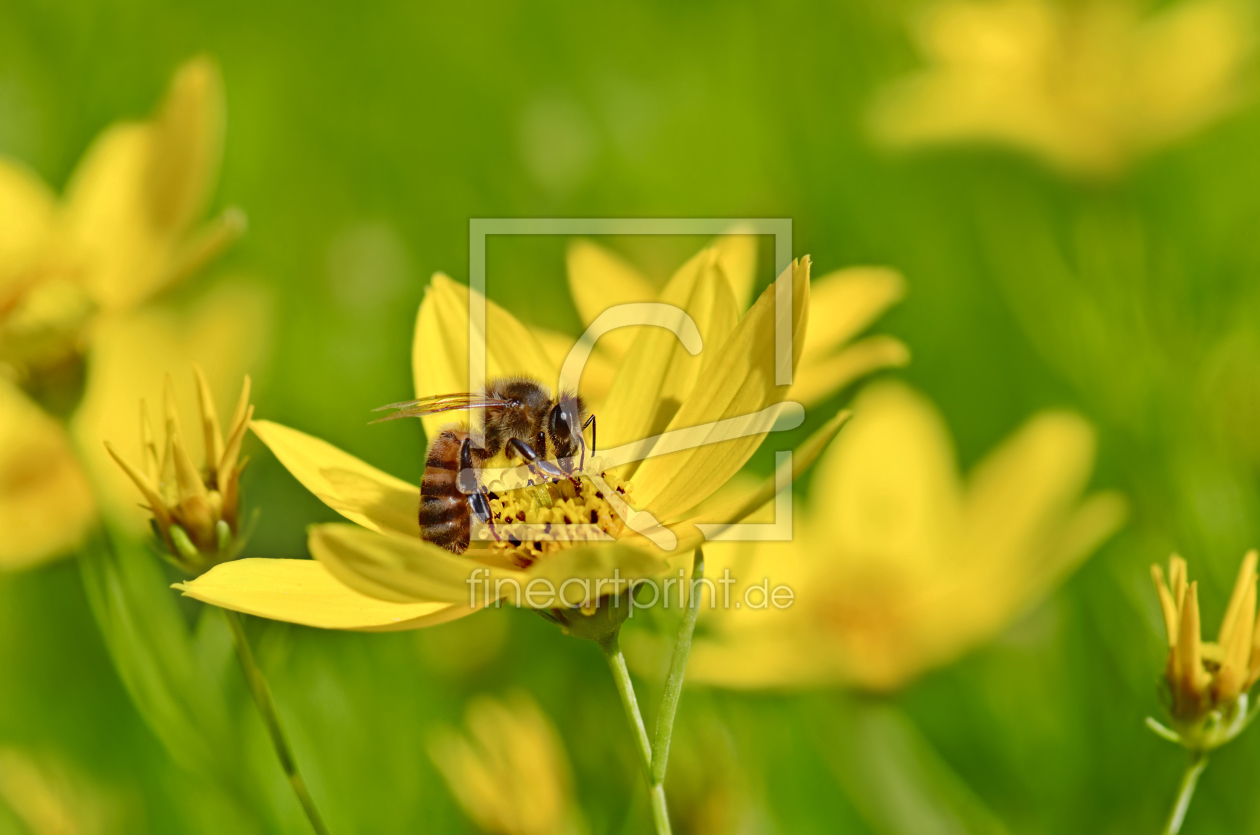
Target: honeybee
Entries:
(522, 420)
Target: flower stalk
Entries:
(677, 669)
(625, 689)
(654, 757)
(196, 516)
(261, 693)
(1198, 762)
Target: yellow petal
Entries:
(510, 775)
(630, 559)
(132, 353)
(132, 198)
(1236, 666)
(598, 373)
(1188, 66)
(305, 592)
(1166, 605)
(405, 569)
(739, 507)
(1177, 579)
(46, 505)
(821, 376)
(213, 433)
(737, 255)
(106, 219)
(744, 648)
(401, 569)
(43, 794)
(713, 307)
(600, 279)
(1246, 580)
(659, 370)
(477, 782)
(148, 447)
(889, 486)
(1023, 491)
(846, 302)
(1254, 665)
(741, 382)
(188, 144)
(758, 660)
(187, 479)
(146, 487)
(1026, 527)
(1092, 523)
(439, 356)
(232, 451)
(1191, 677)
(26, 215)
(356, 490)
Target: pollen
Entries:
(533, 521)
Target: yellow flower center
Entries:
(544, 518)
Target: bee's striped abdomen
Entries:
(444, 517)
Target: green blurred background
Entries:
(361, 140)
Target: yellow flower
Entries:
(49, 800)
(196, 511)
(845, 302)
(897, 566)
(123, 232)
(45, 499)
(73, 276)
(510, 774)
(383, 556)
(1208, 682)
(710, 793)
(1087, 86)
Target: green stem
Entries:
(267, 710)
(1198, 762)
(621, 675)
(677, 669)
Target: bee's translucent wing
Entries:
(438, 403)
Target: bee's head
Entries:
(564, 429)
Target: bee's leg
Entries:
(518, 447)
(479, 504)
(478, 498)
(590, 421)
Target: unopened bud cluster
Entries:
(1208, 682)
(196, 511)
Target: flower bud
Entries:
(509, 772)
(1208, 682)
(196, 511)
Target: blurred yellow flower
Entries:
(383, 556)
(897, 566)
(1208, 682)
(73, 277)
(47, 800)
(845, 302)
(196, 511)
(45, 499)
(1087, 86)
(710, 793)
(510, 773)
